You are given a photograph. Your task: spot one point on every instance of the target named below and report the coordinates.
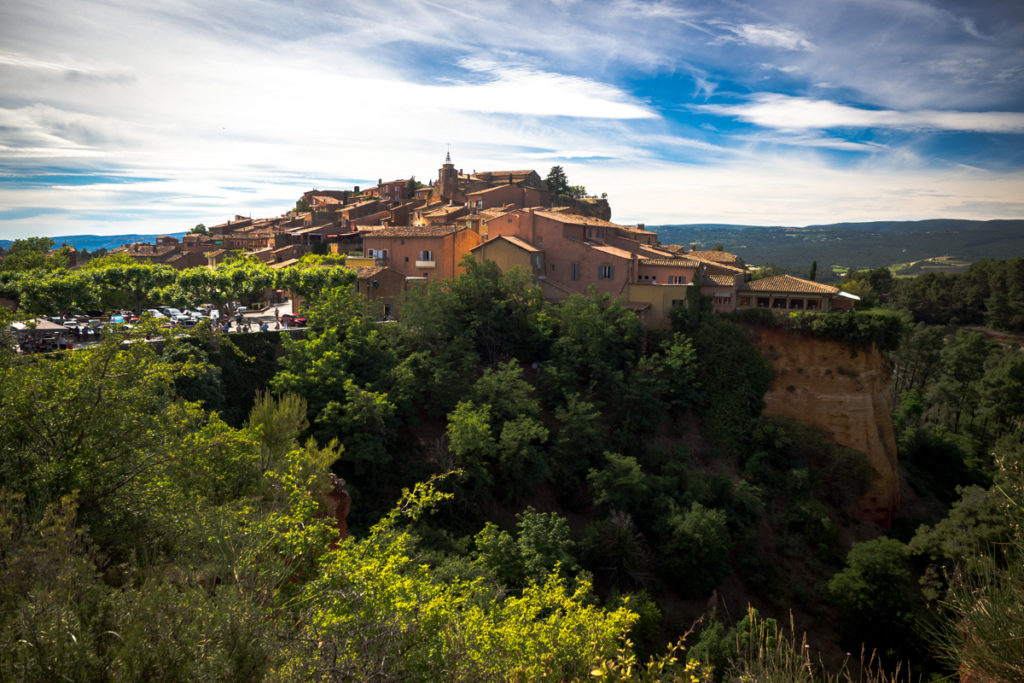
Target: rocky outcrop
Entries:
(846, 394)
(594, 208)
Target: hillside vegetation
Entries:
(536, 490)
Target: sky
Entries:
(142, 117)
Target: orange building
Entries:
(424, 251)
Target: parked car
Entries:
(293, 320)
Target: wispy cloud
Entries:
(241, 105)
(767, 36)
(784, 112)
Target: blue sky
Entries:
(151, 117)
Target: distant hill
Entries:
(94, 242)
(912, 246)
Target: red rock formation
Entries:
(339, 503)
(845, 393)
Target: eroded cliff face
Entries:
(845, 393)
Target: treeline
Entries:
(990, 293)
(112, 283)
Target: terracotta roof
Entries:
(325, 199)
(720, 279)
(577, 219)
(613, 251)
(349, 207)
(363, 272)
(677, 262)
(491, 176)
(489, 189)
(789, 284)
(525, 246)
(312, 229)
(416, 231)
(723, 267)
(445, 210)
(495, 212)
(716, 256)
(651, 252)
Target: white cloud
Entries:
(242, 105)
(785, 112)
(787, 189)
(768, 36)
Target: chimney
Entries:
(693, 246)
(639, 226)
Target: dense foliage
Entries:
(537, 490)
(990, 293)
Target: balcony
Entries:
(426, 264)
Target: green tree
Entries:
(695, 551)
(542, 545)
(767, 270)
(557, 182)
(199, 229)
(955, 394)
(620, 484)
(31, 254)
(813, 274)
(876, 596)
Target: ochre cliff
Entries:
(845, 393)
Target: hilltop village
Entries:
(400, 233)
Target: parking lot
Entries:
(71, 332)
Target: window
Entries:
(678, 303)
(606, 272)
(677, 279)
(575, 271)
(426, 255)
